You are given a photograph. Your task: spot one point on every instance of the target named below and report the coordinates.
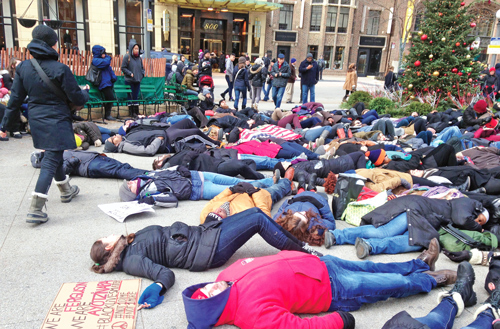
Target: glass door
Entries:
(186, 47)
(374, 62)
(362, 61)
(215, 46)
(235, 48)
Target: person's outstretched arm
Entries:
(149, 150)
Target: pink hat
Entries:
(4, 91)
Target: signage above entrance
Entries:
(212, 25)
(285, 36)
(372, 41)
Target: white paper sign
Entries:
(121, 210)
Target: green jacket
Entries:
(451, 243)
(188, 80)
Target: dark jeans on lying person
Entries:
(237, 229)
(369, 117)
(183, 129)
(278, 191)
(52, 168)
(311, 122)
(359, 160)
(419, 125)
(426, 136)
(105, 133)
(405, 122)
(443, 317)
(290, 150)
(106, 167)
(355, 283)
(245, 168)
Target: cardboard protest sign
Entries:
(121, 210)
(95, 305)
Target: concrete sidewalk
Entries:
(36, 260)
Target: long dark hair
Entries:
(102, 257)
(301, 230)
(12, 66)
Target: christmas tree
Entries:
(440, 61)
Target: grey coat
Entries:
(132, 65)
(280, 81)
(136, 148)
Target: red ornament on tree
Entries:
(426, 89)
(430, 42)
(470, 80)
(417, 63)
(454, 86)
(438, 90)
(445, 74)
(460, 73)
(468, 94)
(465, 44)
(473, 25)
(457, 44)
(462, 4)
(453, 51)
(454, 70)
(440, 14)
(424, 37)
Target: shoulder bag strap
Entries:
(56, 90)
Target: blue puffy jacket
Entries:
(309, 201)
(108, 77)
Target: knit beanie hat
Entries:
(293, 60)
(198, 294)
(480, 106)
(309, 55)
(225, 206)
(212, 217)
(206, 91)
(125, 193)
(45, 34)
(242, 60)
(109, 147)
(492, 69)
(376, 157)
(282, 170)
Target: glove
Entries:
(242, 187)
(348, 319)
(458, 256)
(97, 143)
(152, 296)
(488, 119)
(405, 184)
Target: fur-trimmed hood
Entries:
(256, 69)
(115, 257)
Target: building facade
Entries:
(367, 33)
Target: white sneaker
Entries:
(302, 156)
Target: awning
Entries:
(227, 5)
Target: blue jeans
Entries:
(443, 317)
(357, 283)
(389, 238)
(266, 90)
(229, 89)
(105, 133)
(237, 229)
(280, 190)
(52, 167)
(291, 150)
(315, 132)
(263, 162)
(306, 90)
(237, 92)
(136, 88)
(278, 95)
(214, 184)
(446, 134)
(106, 167)
(311, 122)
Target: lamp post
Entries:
(494, 57)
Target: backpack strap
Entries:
(56, 90)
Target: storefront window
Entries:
(338, 60)
(72, 14)
(343, 20)
(333, 2)
(373, 22)
(345, 2)
(186, 35)
(316, 18)
(286, 16)
(129, 24)
(314, 51)
(331, 19)
(327, 56)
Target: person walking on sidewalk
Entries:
(351, 81)
(229, 78)
(309, 77)
(291, 82)
(133, 70)
(50, 116)
(322, 66)
(280, 73)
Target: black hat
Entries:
(45, 34)
(280, 167)
(109, 147)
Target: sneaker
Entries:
(329, 239)
(465, 284)
(326, 156)
(307, 248)
(16, 134)
(276, 176)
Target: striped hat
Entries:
(225, 206)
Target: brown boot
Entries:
(431, 255)
(289, 173)
(443, 277)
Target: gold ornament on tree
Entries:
(443, 39)
(420, 33)
(412, 97)
(468, 56)
(431, 56)
(410, 86)
(435, 73)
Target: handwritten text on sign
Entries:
(102, 305)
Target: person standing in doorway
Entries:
(322, 66)
(351, 81)
(281, 72)
(50, 117)
(309, 71)
(291, 82)
(133, 70)
(229, 78)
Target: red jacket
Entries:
(266, 291)
(257, 148)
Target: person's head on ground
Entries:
(414, 114)
(130, 189)
(377, 157)
(416, 173)
(281, 59)
(223, 104)
(309, 57)
(45, 34)
(106, 252)
(210, 290)
(111, 144)
(330, 182)
(297, 223)
(159, 162)
(483, 217)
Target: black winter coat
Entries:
(156, 248)
(258, 75)
(132, 65)
(49, 116)
(228, 122)
(403, 320)
(323, 167)
(470, 117)
(426, 216)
